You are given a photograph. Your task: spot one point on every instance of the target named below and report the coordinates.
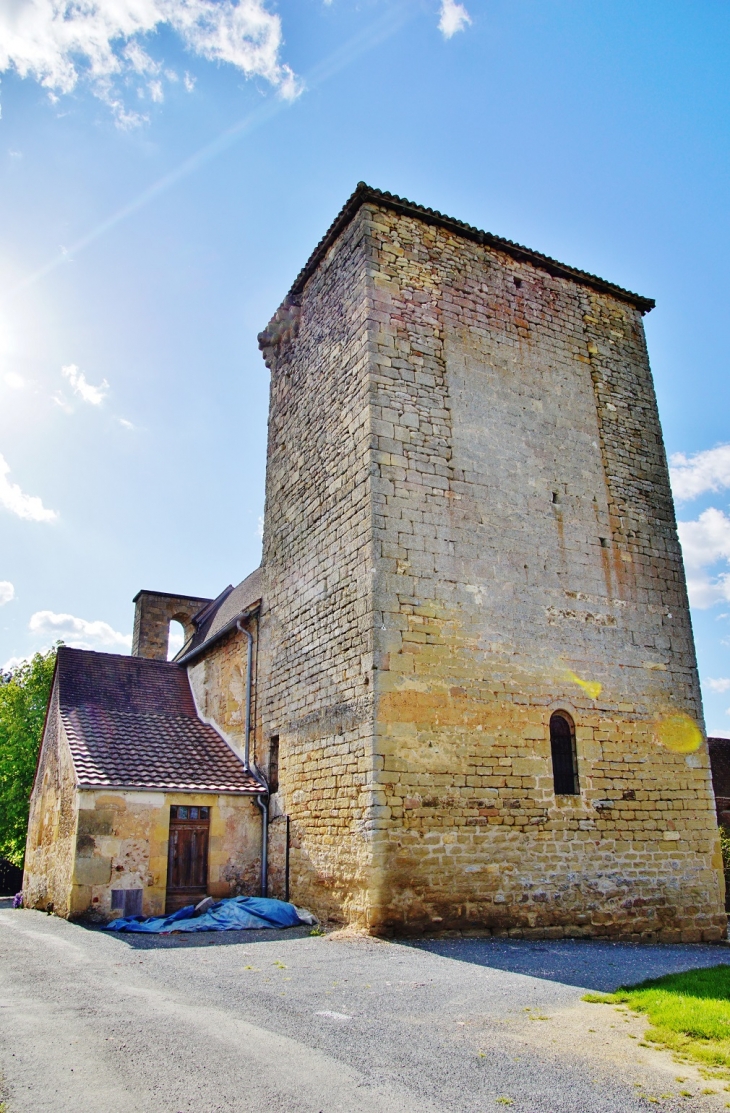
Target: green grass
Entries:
(688, 1013)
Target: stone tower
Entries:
(476, 655)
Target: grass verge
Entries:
(689, 1013)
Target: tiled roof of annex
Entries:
(131, 723)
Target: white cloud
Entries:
(14, 380)
(17, 502)
(260, 527)
(78, 632)
(705, 541)
(722, 684)
(175, 640)
(94, 395)
(705, 471)
(126, 424)
(7, 592)
(61, 42)
(453, 17)
(12, 663)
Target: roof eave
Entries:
(87, 787)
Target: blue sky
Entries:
(166, 168)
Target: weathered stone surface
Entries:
(154, 611)
(468, 526)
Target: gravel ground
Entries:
(281, 1021)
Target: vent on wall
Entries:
(128, 900)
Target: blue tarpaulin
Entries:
(227, 915)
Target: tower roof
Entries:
(367, 194)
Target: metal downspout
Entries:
(249, 672)
(262, 800)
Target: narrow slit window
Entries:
(565, 760)
(274, 764)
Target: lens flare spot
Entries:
(679, 733)
(592, 688)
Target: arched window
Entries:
(565, 760)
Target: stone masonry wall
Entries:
(122, 843)
(218, 681)
(316, 623)
(526, 560)
(469, 526)
(51, 841)
(153, 613)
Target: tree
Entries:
(24, 692)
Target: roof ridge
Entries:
(364, 193)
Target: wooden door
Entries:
(187, 856)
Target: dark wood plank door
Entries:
(187, 856)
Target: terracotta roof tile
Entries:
(131, 723)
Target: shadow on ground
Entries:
(589, 964)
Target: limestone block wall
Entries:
(218, 682)
(122, 843)
(50, 845)
(527, 560)
(153, 613)
(468, 526)
(316, 623)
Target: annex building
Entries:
(461, 691)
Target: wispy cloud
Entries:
(13, 380)
(60, 43)
(392, 20)
(7, 592)
(17, 502)
(453, 17)
(94, 395)
(705, 471)
(705, 542)
(722, 684)
(78, 632)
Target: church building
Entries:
(461, 692)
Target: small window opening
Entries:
(274, 764)
(556, 497)
(128, 901)
(518, 283)
(604, 542)
(565, 760)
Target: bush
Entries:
(24, 693)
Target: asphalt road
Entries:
(281, 1021)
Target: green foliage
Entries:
(689, 1012)
(725, 847)
(24, 694)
